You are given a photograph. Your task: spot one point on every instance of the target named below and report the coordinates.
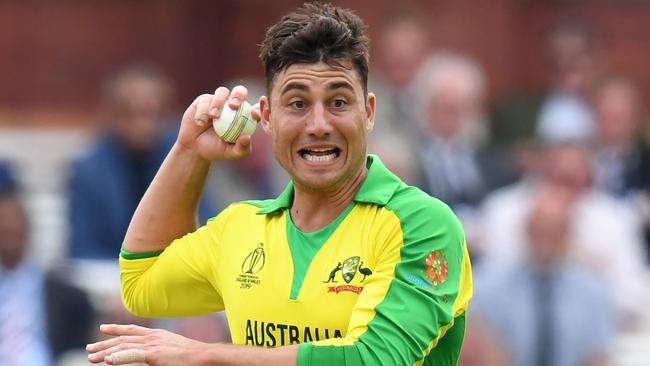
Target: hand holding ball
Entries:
(234, 122)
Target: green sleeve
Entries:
(421, 319)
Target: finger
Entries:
(238, 94)
(126, 357)
(101, 355)
(127, 330)
(201, 116)
(218, 100)
(98, 346)
(255, 112)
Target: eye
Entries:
(298, 104)
(339, 103)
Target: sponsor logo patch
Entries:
(436, 267)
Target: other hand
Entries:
(155, 347)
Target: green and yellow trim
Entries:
(138, 255)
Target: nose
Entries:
(318, 124)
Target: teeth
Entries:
(319, 158)
(320, 149)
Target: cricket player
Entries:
(348, 266)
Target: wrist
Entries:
(190, 156)
(211, 355)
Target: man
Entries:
(560, 112)
(107, 184)
(621, 151)
(592, 232)
(546, 308)
(402, 46)
(41, 315)
(404, 284)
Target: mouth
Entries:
(320, 154)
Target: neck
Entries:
(313, 210)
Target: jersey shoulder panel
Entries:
(416, 209)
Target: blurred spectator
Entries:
(454, 164)
(107, 184)
(605, 233)
(402, 46)
(545, 308)
(565, 113)
(451, 91)
(621, 156)
(622, 153)
(560, 112)
(41, 316)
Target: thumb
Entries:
(242, 146)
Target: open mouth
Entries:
(320, 154)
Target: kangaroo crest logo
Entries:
(332, 276)
(255, 260)
(349, 268)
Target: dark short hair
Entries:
(316, 33)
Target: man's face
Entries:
(402, 48)
(138, 114)
(548, 225)
(453, 106)
(318, 118)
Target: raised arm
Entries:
(168, 209)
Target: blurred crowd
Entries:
(552, 187)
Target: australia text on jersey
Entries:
(260, 333)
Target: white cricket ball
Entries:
(234, 122)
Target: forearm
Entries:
(168, 209)
(161, 347)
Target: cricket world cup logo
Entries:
(255, 260)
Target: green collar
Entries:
(378, 187)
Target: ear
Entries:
(371, 101)
(265, 112)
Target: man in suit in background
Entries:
(41, 315)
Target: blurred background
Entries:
(529, 118)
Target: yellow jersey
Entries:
(387, 282)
